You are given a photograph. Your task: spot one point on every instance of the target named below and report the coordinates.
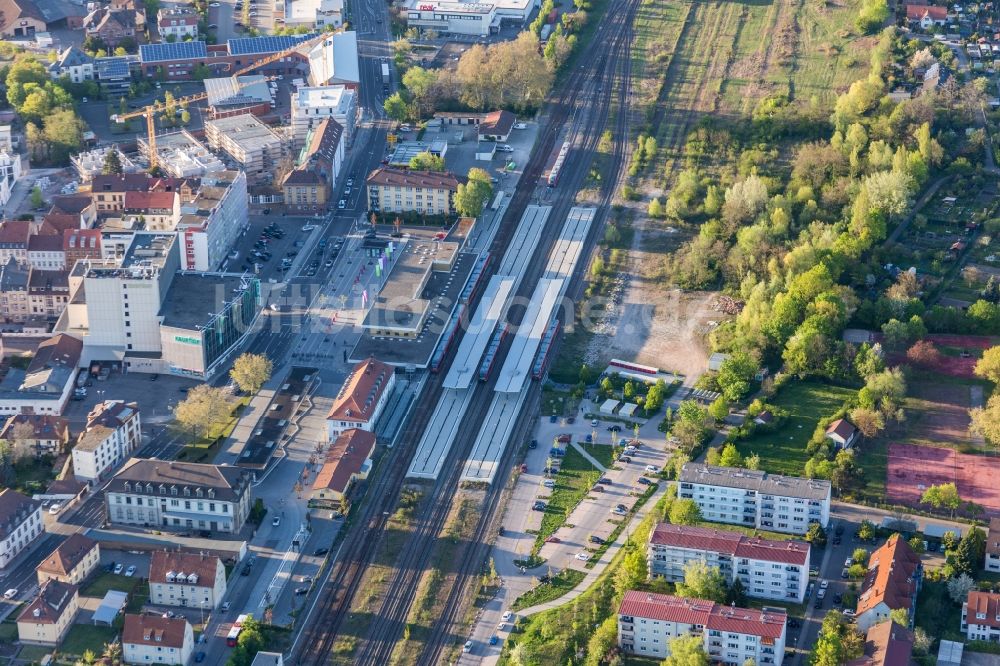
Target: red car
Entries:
(552, 539)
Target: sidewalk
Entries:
(590, 459)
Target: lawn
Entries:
(32, 654)
(558, 403)
(784, 450)
(109, 581)
(8, 631)
(575, 478)
(602, 453)
(32, 475)
(937, 614)
(558, 585)
(83, 637)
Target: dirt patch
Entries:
(938, 414)
(913, 469)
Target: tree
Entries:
(970, 552)
(866, 531)
(112, 653)
(988, 367)
(396, 107)
(471, 196)
(816, 535)
(924, 354)
(687, 651)
(872, 16)
(205, 406)
(684, 512)
(251, 371)
(36, 197)
(868, 421)
(736, 374)
(829, 648)
(900, 616)
(942, 496)
(427, 161)
(422, 84)
(730, 456)
(702, 582)
(719, 409)
(960, 586)
(736, 594)
(986, 420)
(112, 163)
(185, 117)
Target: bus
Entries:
(241, 619)
(233, 636)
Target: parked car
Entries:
(644, 481)
(549, 483)
(553, 539)
(321, 551)
(200, 657)
(583, 557)
(130, 571)
(596, 539)
(226, 605)
(119, 568)
(10, 594)
(494, 640)
(276, 521)
(538, 506)
(505, 148)
(342, 204)
(467, 647)
(520, 125)
(299, 591)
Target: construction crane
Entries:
(150, 111)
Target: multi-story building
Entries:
(334, 61)
(981, 616)
(155, 211)
(113, 433)
(449, 16)
(182, 60)
(648, 622)
(193, 580)
(45, 252)
(20, 524)
(755, 499)
(348, 459)
(151, 639)
(48, 382)
(36, 434)
(81, 244)
(111, 25)
(311, 105)
(317, 168)
(74, 64)
(362, 398)
(49, 616)
(71, 561)
(777, 570)
(404, 190)
(886, 644)
(891, 583)
(179, 22)
(48, 292)
(213, 220)
(181, 496)
(14, 241)
(14, 291)
(249, 143)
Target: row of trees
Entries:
(206, 407)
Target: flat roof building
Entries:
(251, 144)
(310, 106)
(245, 94)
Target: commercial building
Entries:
(192, 580)
(246, 94)
(314, 13)
(183, 60)
(648, 622)
(20, 524)
(151, 639)
(45, 387)
(349, 459)
(213, 220)
(50, 614)
(334, 61)
(453, 17)
(311, 106)
(777, 570)
(180, 496)
(179, 22)
(361, 399)
(756, 499)
(251, 144)
(404, 190)
(891, 583)
(71, 562)
(496, 126)
(112, 434)
(36, 434)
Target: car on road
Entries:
(276, 521)
(848, 612)
(10, 594)
(823, 584)
(494, 640)
(615, 428)
(583, 557)
(538, 506)
(595, 423)
(308, 227)
(838, 599)
(844, 573)
(520, 125)
(818, 604)
(653, 469)
(130, 571)
(119, 568)
(169, 615)
(821, 594)
(533, 444)
(299, 591)
(467, 647)
(596, 539)
(226, 605)
(505, 148)
(200, 657)
(342, 204)
(502, 626)
(245, 571)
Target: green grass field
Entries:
(573, 482)
(83, 637)
(784, 450)
(99, 586)
(558, 585)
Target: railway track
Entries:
(365, 534)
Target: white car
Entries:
(502, 626)
(506, 617)
(848, 562)
(119, 568)
(583, 557)
(618, 511)
(342, 204)
(520, 125)
(10, 594)
(130, 571)
(549, 483)
(823, 584)
(276, 521)
(505, 148)
(467, 647)
(652, 468)
(309, 227)
(226, 605)
(848, 612)
(54, 509)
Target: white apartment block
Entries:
(402, 190)
(981, 616)
(151, 639)
(648, 622)
(755, 499)
(191, 580)
(310, 105)
(179, 496)
(20, 524)
(113, 433)
(178, 21)
(775, 570)
(211, 223)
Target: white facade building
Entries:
(981, 616)
(211, 223)
(361, 399)
(648, 622)
(151, 639)
(777, 570)
(113, 433)
(191, 580)
(456, 18)
(10, 173)
(755, 499)
(334, 61)
(311, 105)
(20, 524)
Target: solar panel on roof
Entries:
(111, 67)
(266, 44)
(175, 51)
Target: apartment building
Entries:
(113, 433)
(74, 64)
(45, 252)
(20, 524)
(362, 398)
(981, 616)
(193, 580)
(756, 499)
(50, 614)
(36, 434)
(404, 190)
(212, 221)
(152, 639)
(48, 382)
(151, 210)
(14, 241)
(334, 61)
(71, 562)
(251, 144)
(14, 291)
(311, 105)
(886, 644)
(179, 22)
(317, 168)
(648, 622)
(81, 244)
(179, 496)
(891, 583)
(777, 570)
(48, 292)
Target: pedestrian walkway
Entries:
(590, 458)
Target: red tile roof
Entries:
(344, 459)
(842, 428)
(67, 555)
(79, 240)
(154, 630)
(917, 12)
(983, 602)
(15, 232)
(44, 426)
(497, 123)
(45, 243)
(361, 392)
(52, 601)
(768, 624)
(62, 221)
(891, 577)
(435, 180)
(886, 644)
(731, 543)
(149, 200)
(204, 567)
